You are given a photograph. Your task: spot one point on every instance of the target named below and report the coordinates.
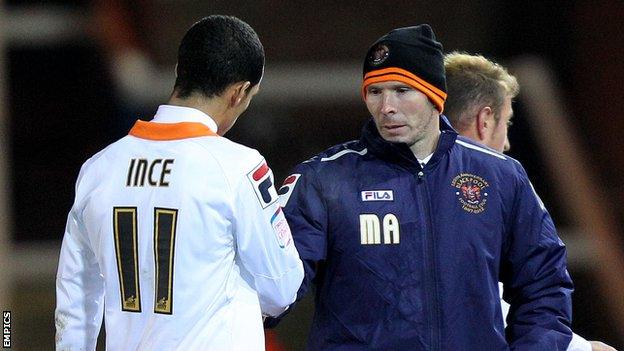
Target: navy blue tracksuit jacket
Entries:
(408, 258)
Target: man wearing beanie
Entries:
(406, 232)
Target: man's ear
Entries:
(238, 93)
(485, 122)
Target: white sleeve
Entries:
(578, 343)
(79, 291)
(264, 241)
(504, 305)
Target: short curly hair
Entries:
(215, 52)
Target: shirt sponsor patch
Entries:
(281, 228)
(261, 178)
(287, 188)
(377, 195)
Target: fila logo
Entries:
(377, 195)
(261, 178)
(371, 229)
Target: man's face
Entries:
(498, 139)
(402, 114)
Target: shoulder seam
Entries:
(221, 167)
(480, 149)
(344, 152)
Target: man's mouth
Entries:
(393, 126)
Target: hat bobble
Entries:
(410, 55)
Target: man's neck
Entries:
(427, 145)
(213, 107)
(471, 133)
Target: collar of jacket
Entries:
(400, 153)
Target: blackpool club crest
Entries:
(471, 192)
(379, 55)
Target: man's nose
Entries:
(388, 104)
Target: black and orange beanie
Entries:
(411, 55)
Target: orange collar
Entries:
(169, 131)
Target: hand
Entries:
(599, 346)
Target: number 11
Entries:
(126, 250)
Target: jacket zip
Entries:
(431, 267)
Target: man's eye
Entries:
(402, 90)
(374, 91)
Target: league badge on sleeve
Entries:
(261, 178)
(281, 228)
(287, 188)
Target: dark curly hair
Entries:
(215, 52)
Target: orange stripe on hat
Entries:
(169, 131)
(437, 96)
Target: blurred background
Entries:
(75, 75)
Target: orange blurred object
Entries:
(272, 342)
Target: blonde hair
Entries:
(473, 82)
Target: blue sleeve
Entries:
(306, 214)
(537, 284)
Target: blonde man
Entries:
(478, 106)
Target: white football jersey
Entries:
(176, 236)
